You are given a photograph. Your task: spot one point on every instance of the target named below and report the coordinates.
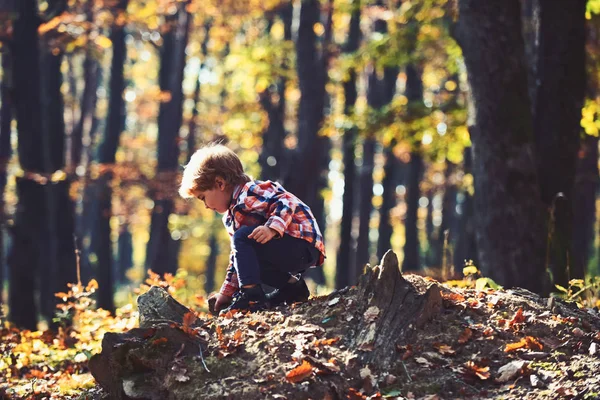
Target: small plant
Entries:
(584, 294)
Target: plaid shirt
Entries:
(268, 203)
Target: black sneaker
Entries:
(296, 292)
(252, 299)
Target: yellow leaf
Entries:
(103, 42)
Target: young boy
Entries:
(274, 235)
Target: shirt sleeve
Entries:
(231, 284)
(277, 205)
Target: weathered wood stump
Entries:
(393, 309)
(141, 363)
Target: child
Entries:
(274, 235)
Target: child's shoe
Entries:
(296, 292)
(252, 299)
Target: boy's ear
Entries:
(220, 183)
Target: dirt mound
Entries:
(391, 336)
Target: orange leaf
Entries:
(325, 342)
(453, 297)
(161, 340)
(300, 373)
(188, 319)
(482, 373)
(533, 344)
(465, 336)
(518, 318)
(444, 349)
(237, 336)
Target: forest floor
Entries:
(483, 344)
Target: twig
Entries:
(202, 358)
(406, 370)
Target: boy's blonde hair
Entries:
(208, 163)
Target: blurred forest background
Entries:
(445, 130)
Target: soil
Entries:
(497, 344)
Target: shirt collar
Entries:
(234, 196)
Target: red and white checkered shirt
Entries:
(268, 203)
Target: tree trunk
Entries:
(6, 115)
(411, 261)
(560, 78)
(412, 247)
(584, 205)
(345, 267)
(365, 202)
(211, 262)
(29, 231)
(510, 226)
(448, 214)
(384, 242)
(312, 78)
(124, 252)
(61, 269)
(465, 242)
(161, 246)
(115, 124)
(271, 158)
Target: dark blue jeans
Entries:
(273, 262)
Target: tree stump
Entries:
(392, 309)
(142, 363)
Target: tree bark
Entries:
(560, 79)
(510, 225)
(30, 229)
(271, 157)
(345, 267)
(161, 250)
(390, 169)
(115, 124)
(584, 206)
(6, 116)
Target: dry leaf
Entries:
(482, 373)
(300, 373)
(325, 342)
(518, 317)
(465, 336)
(528, 342)
(453, 297)
(371, 314)
(444, 349)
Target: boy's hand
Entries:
(262, 234)
(218, 302)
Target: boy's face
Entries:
(217, 198)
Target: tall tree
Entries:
(414, 94)
(509, 217)
(6, 116)
(115, 123)
(390, 170)
(29, 231)
(311, 67)
(560, 86)
(161, 250)
(380, 91)
(273, 102)
(345, 270)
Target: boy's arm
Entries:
(278, 205)
(231, 285)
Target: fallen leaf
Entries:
(159, 341)
(593, 349)
(482, 373)
(518, 318)
(325, 342)
(465, 336)
(528, 342)
(334, 301)
(423, 361)
(371, 314)
(444, 349)
(453, 297)
(300, 373)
